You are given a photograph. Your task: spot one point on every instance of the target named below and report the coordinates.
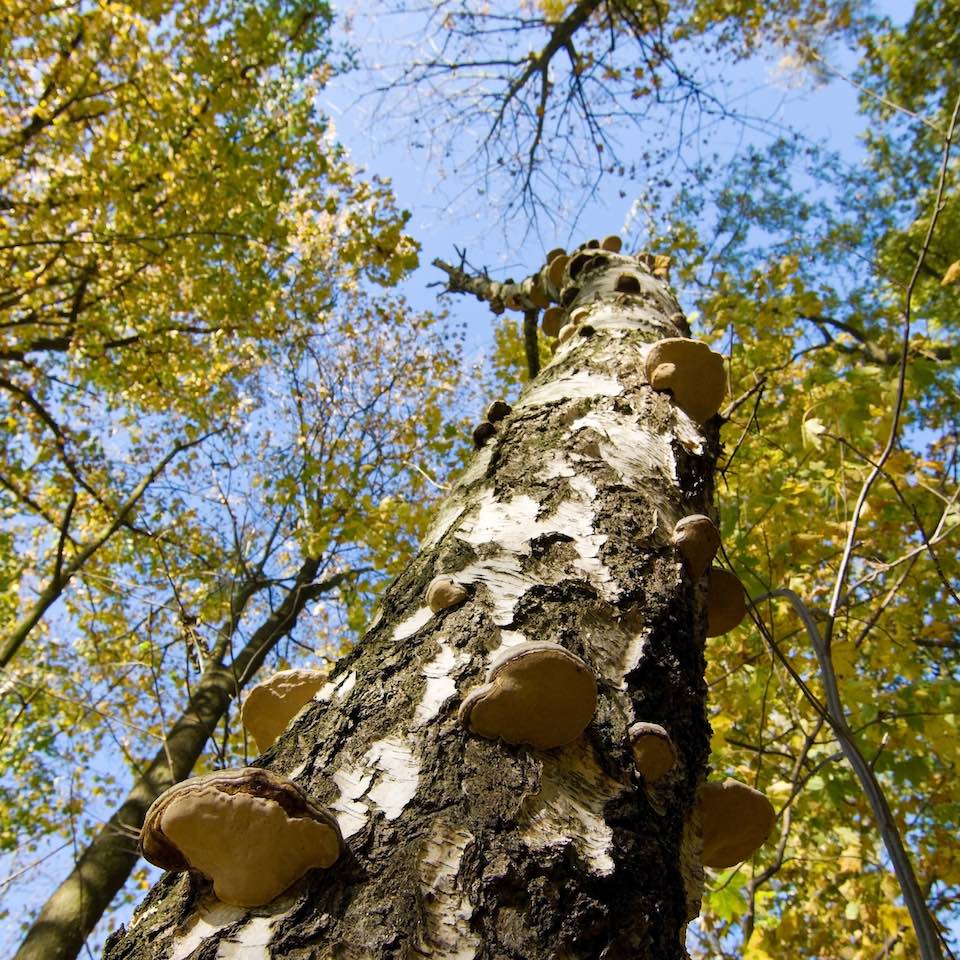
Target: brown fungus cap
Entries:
(444, 592)
(577, 264)
(538, 296)
(272, 704)
(498, 410)
(697, 539)
(726, 602)
(735, 820)
(566, 332)
(628, 283)
(612, 243)
(552, 320)
(250, 831)
(556, 270)
(536, 693)
(654, 755)
(482, 432)
(692, 372)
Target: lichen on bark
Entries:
(461, 847)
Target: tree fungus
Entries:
(249, 831)
(735, 820)
(697, 538)
(726, 602)
(272, 704)
(654, 754)
(536, 693)
(444, 592)
(692, 372)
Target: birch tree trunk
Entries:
(461, 847)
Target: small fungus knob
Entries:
(698, 540)
(250, 831)
(444, 592)
(654, 755)
(498, 410)
(539, 694)
(482, 432)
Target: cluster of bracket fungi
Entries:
(537, 694)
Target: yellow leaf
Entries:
(952, 276)
(811, 431)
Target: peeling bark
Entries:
(462, 848)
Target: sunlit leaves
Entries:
(187, 254)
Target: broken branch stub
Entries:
(539, 694)
(692, 372)
(736, 821)
(249, 831)
(272, 704)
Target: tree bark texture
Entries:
(461, 848)
(76, 906)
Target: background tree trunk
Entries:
(460, 847)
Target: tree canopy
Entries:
(204, 379)
(214, 404)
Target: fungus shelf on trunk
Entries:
(462, 846)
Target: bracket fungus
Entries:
(482, 432)
(577, 264)
(628, 283)
(498, 410)
(726, 602)
(612, 243)
(249, 831)
(735, 820)
(556, 268)
(568, 295)
(272, 704)
(552, 320)
(536, 693)
(444, 592)
(698, 540)
(692, 372)
(654, 754)
(566, 332)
